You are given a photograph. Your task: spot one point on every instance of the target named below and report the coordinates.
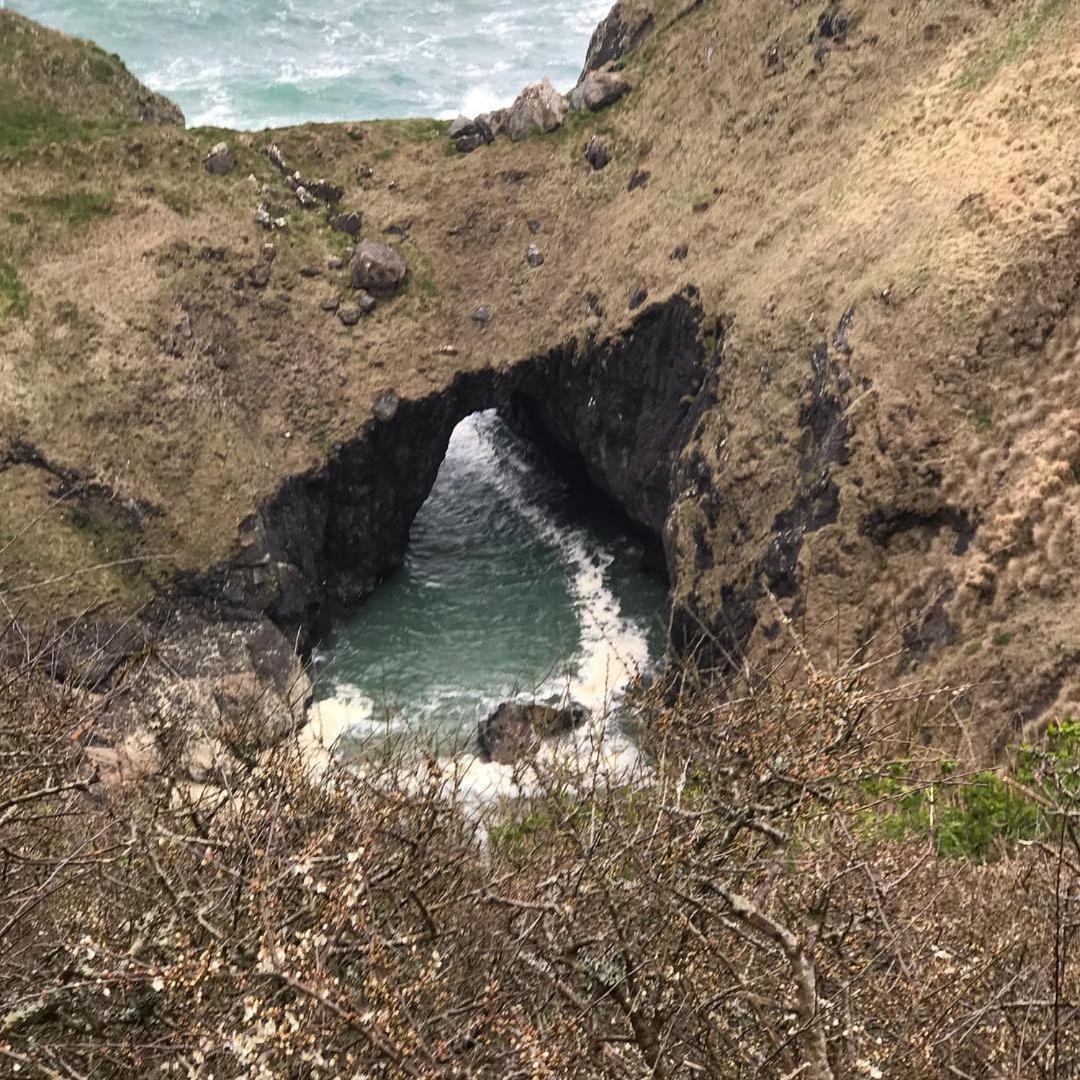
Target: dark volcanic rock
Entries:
(515, 730)
(348, 223)
(220, 160)
(625, 27)
(597, 153)
(378, 268)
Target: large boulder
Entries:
(597, 90)
(378, 268)
(220, 160)
(514, 730)
(626, 26)
(537, 106)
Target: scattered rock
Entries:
(638, 297)
(365, 302)
(597, 153)
(324, 190)
(310, 272)
(305, 198)
(597, 90)
(461, 126)
(259, 276)
(220, 161)
(638, 179)
(680, 252)
(277, 158)
(378, 268)
(365, 172)
(335, 262)
(268, 253)
(386, 405)
(534, 225)
(264, 218)
(349, 315)
(399, 228)
(183, 327)
(515, 176)
(515, 730)
(593, 300)
(331, 304)
(349, 223)
(534, 256)
(482, 315)
(537, 106)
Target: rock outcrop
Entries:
(597, 90)
(516, 730)
(539, 107)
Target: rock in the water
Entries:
(386, 406)
(349, 315)
(220, 160)
(515, 730)
(349, 223)
(597, 90)
(534, 256)
(537, 106)
(597, 153)
(378, 268)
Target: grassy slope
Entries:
(931, 158)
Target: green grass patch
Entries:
(25, 124)
(74, 207)
(1011, 45)
(14, 295)
(983, 816)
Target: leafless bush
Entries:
(737, 912)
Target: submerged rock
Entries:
(537, 106)
(220, 161)
(597, 90)
(378, 268)
(515, 730)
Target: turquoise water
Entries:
(266, 63)
(511, 585)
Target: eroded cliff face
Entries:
(813, 322)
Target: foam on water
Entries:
(251, 64)
(503, 595)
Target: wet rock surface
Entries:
(515, 730)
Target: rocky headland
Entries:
(792, 285)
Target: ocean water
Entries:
(513, 585)
(252, 64)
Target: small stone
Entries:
(595, 308)
(638, 297)
(349, 223)
(534, 256)
(482, 315)
(447, 350)
(277, 158)
(392, 186)
(331, 304)
(515, 176)
(365, 302)
(385, 406)
(183, 327)
(378, 268)
(365, 172)
(288, 434)
(310, 271)
(305, 198)
(680, 252)
(597, 153)
(220, 161)
(638, 179)
(350, 315)
(534, 225)
(268, 253)
(335, 262)
(259, 276)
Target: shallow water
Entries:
(511, 586)
(251, 64)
